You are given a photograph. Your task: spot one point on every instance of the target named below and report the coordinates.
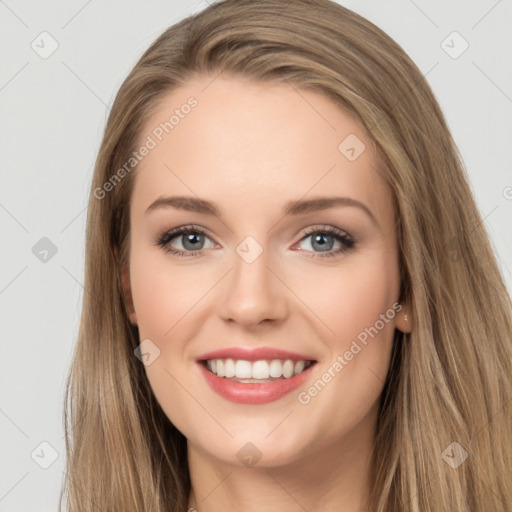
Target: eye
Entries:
(325, 238)
(191, 238)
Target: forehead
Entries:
(260, 144)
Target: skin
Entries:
(251, 148)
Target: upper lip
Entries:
(254, 354)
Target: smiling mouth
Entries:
(261, 371)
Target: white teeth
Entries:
(220, 367)
(229, 368)
(299, 366)
(276, 368)
(260, 370)
(242, 369)
(288, 368)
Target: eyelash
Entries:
(164, 238)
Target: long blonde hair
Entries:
(450, 379)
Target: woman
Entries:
(292, 301)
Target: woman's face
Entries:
(276, 267)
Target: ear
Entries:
(403, 319)
(125, 277)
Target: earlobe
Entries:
(130, 309)
(403, 321)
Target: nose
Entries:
(253, 294)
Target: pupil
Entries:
(189, 239)
(325, 246)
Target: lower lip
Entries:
(253, 393)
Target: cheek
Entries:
(349, 298)
(163, 294)
(355, 306)
(166, 301)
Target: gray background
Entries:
(53, 112)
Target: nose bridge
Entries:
(253, 293)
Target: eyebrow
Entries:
(299, 207)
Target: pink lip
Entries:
(253, 393)
(254, 354)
